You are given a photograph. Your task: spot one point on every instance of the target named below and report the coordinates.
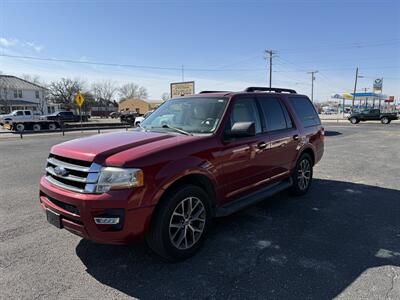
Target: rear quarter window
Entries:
(305, 111)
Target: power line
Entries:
(343, 46)
(127, 65)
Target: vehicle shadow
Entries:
(332, 133)
(313, 246)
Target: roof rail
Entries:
(211, 92)
(267, 89)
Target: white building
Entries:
(17, 93)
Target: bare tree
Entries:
(165, 96)
(35, 79)
(65, 90)
(132, 90)
(104, 92)
(5, 100)
(142, 93)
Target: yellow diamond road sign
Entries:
(79, 100)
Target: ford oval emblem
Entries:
(60, 171)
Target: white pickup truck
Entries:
(18, 115)
(20, 120)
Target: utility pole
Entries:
(312, 84)
(271, 53)
(355, 89)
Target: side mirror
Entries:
(242, 129)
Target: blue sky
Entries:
(220, 43)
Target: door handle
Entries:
(296, 137)
(262, 145)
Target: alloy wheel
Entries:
(187, 223)
(304, 174)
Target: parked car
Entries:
(193, 159)
(65, 116)
(140, 119)
(372, 114)
(128, 117)
(17, 115)
(114, 115)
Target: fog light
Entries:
(106, 221)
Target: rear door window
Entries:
(305, 110)
(275, 114)
(27, 113)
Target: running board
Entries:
(253, 198)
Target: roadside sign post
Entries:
(79, 100)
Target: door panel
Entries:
(245, 159)
(283, 136)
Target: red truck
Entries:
(193, 159)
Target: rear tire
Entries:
(180, 223)
(385, 120)
(302, 175)
(52, 126)
(36, 127)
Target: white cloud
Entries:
(26, 46)
(7, 42)
(36, 47)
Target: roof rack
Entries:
(267, 89)
(211, 92)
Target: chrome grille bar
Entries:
(50, 170)
(56, 162)
(63, 185)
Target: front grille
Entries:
(72, 174)
(68, 207)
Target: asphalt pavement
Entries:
(340, 240)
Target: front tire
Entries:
(302, 175)
(354, 120)
(20, 127)
(180, 224)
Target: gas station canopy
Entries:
(359, 96)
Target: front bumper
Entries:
(78, 211)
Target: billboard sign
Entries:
(179, 89)
(390, 99)
(378, 84)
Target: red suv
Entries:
(194, 158)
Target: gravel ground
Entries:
(340, 240)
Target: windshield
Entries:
(193, 115)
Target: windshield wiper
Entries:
(176, 129)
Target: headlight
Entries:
(111, 178)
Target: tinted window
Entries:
(305, 110)
(245, 110)
(27, 113)
(289, 122)
(273, 114)
(20, 113)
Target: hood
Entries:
(5, 116)
(98, 147)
